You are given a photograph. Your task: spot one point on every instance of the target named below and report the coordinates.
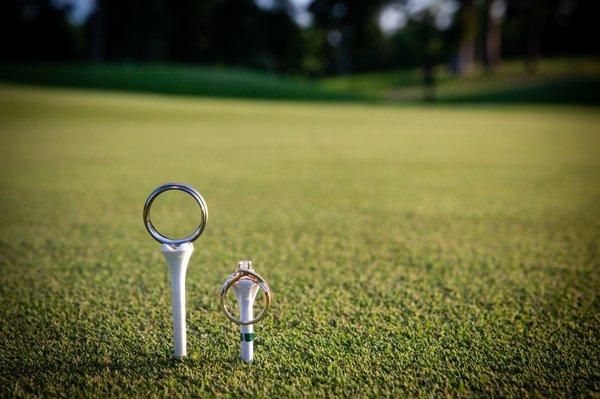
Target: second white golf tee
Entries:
(177, 259)
(245, 291)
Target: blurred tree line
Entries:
(344, 36)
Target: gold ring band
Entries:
(234, 278)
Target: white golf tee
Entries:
(245, 291)
(177, 259)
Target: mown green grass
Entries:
(412, 251)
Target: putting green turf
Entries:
(413, 251)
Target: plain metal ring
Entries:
(234, 278)
(186, 189)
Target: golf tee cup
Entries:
(177, 253)
(246, 283)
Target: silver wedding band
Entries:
(186, 189)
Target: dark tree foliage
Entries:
(229, 32)
(134, 30)
(551, 27)
(283, 43)
(351, 35)
(34, 30)
(248, 36)
(190, 28)
(571, 28)
(345, 36)
(235, 38)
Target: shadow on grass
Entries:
(175, 79)
(574, 91)
(247, 84)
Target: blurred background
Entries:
(391, 50)
(431, 231)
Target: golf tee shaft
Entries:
(178, 303)
(177, 259)
(247, 332)
(245, 291)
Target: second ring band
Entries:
(234, 278)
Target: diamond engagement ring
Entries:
(245, 271)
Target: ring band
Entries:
(186, 189)
(234, 278)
